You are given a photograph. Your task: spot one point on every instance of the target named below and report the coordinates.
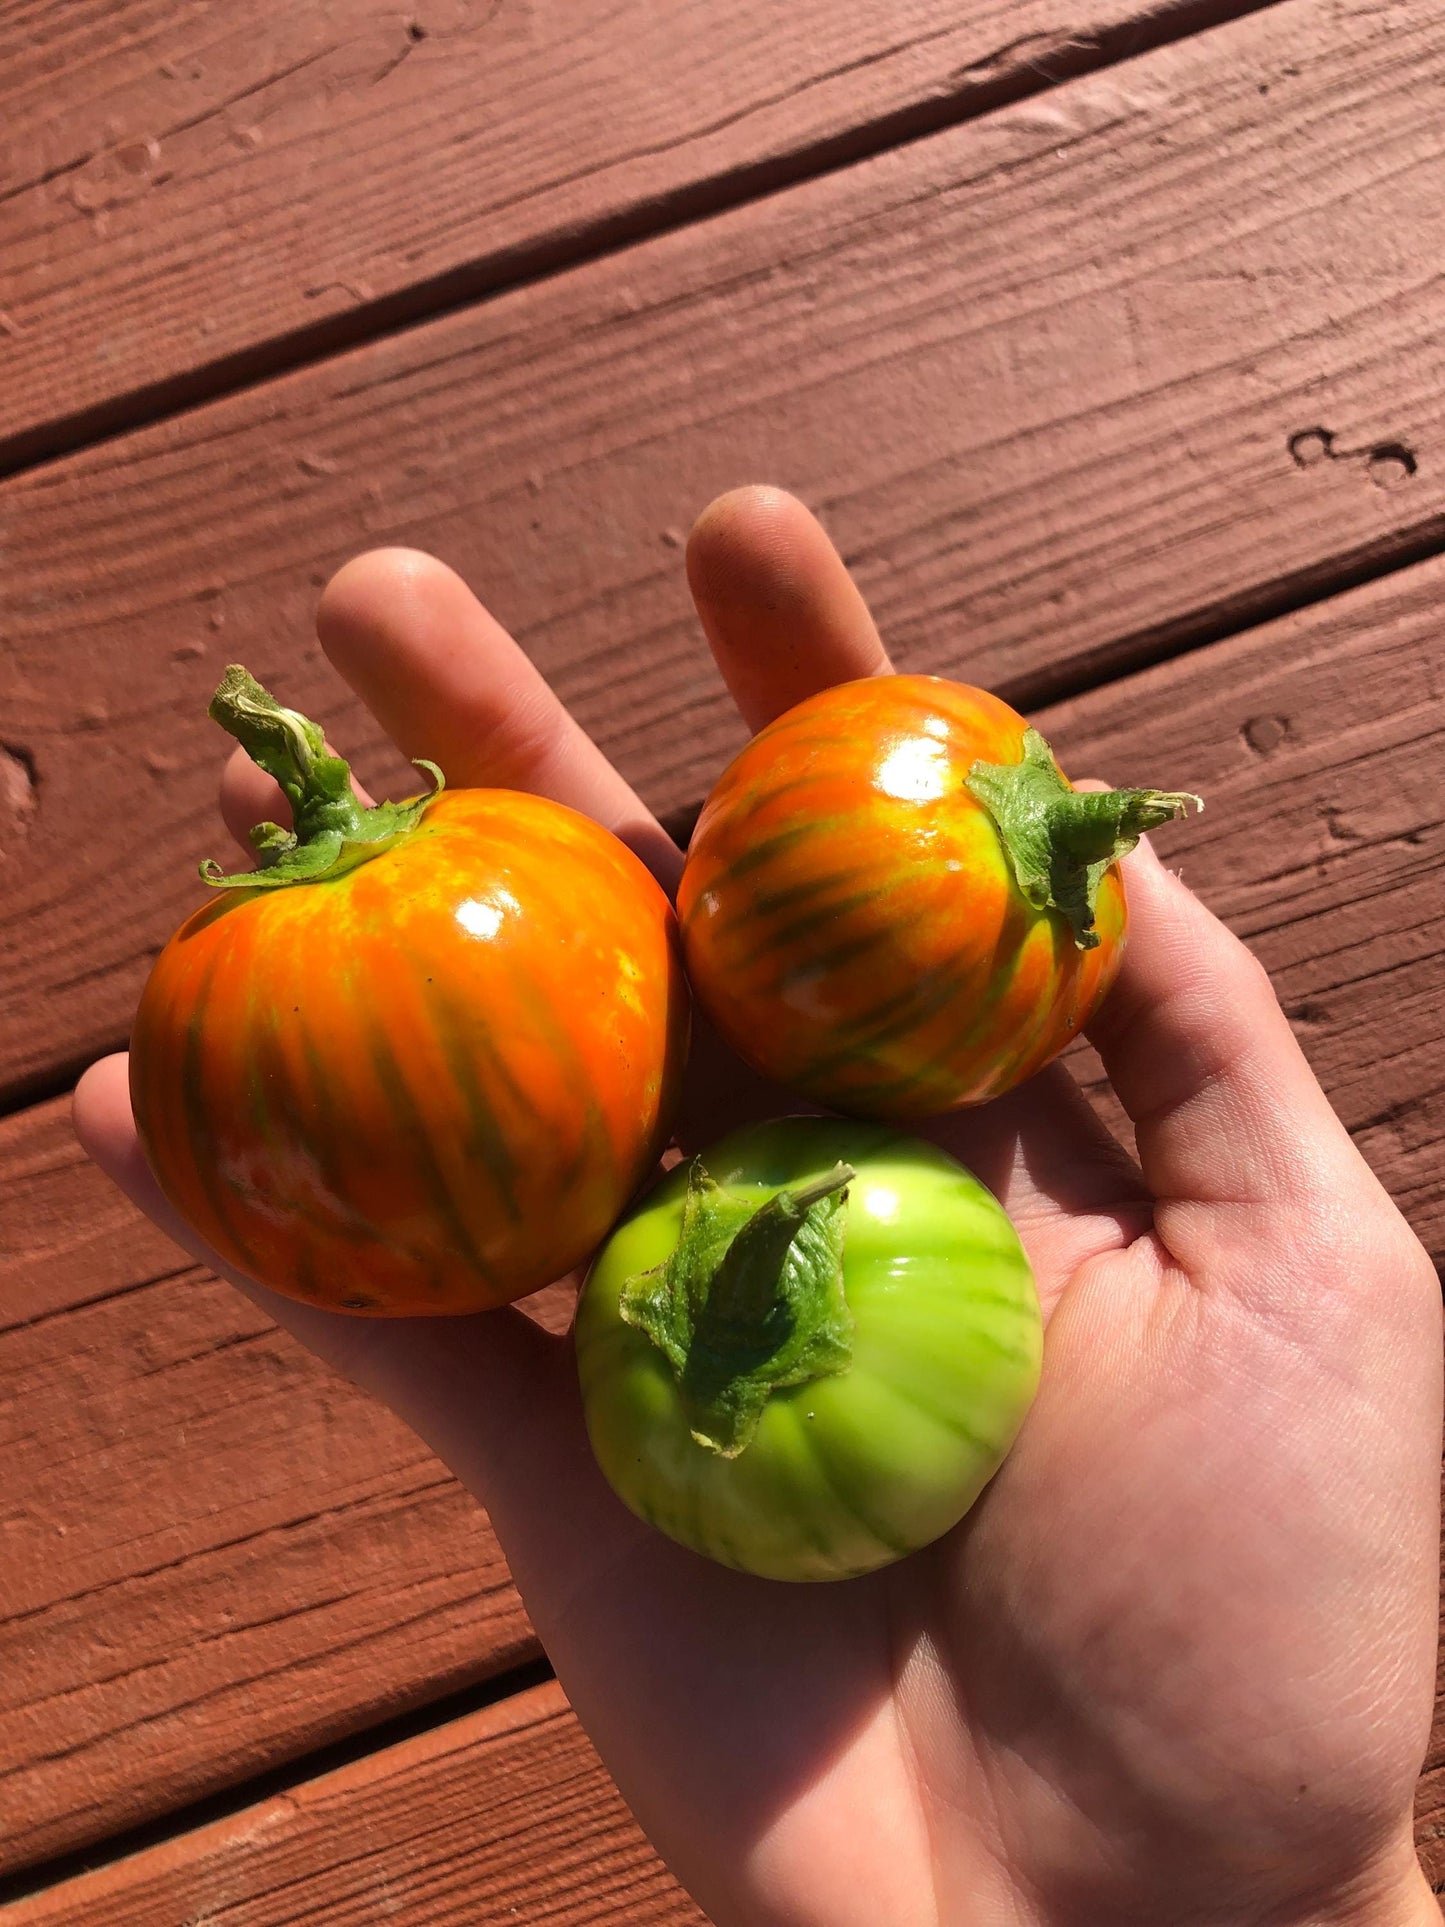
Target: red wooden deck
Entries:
(1107, 341)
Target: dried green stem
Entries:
(332, 829)
(1060, 841)
(750, 1301)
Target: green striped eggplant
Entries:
(421, 1060)
(895, 903)
(809, 1349)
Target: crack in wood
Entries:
(77, 164)
(73, 1305)
(1388, 464)
(234, 1683)
(276, 1529)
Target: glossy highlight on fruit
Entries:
(427, 1079)
(838, 1394)
(895, 903)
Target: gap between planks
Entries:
(538, 260)
(27, 1882)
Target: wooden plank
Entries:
(214, 179)
(215, 1554)
(506, 1814)
(180, 1470)
(1044, 374)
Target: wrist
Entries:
(1404, 1900)
(1415, 1906)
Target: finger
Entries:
(784, 617)
(250, 796)
(1070, 1188)
(1051, 1150)
(1226, 1109)
(447, 682)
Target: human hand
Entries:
(1176, 1665)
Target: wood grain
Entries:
(1067, 384)
(217, 1556)
(182, 185)
(506, 1814)
(213, 1554)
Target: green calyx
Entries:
(1060, 841)
(749, 1302)
(333, 830)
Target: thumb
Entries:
(1226, 1109)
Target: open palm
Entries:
(1176, 1665)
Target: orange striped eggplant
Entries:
(419, 1061)
(896, 904)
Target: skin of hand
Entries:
(1176, 1665)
